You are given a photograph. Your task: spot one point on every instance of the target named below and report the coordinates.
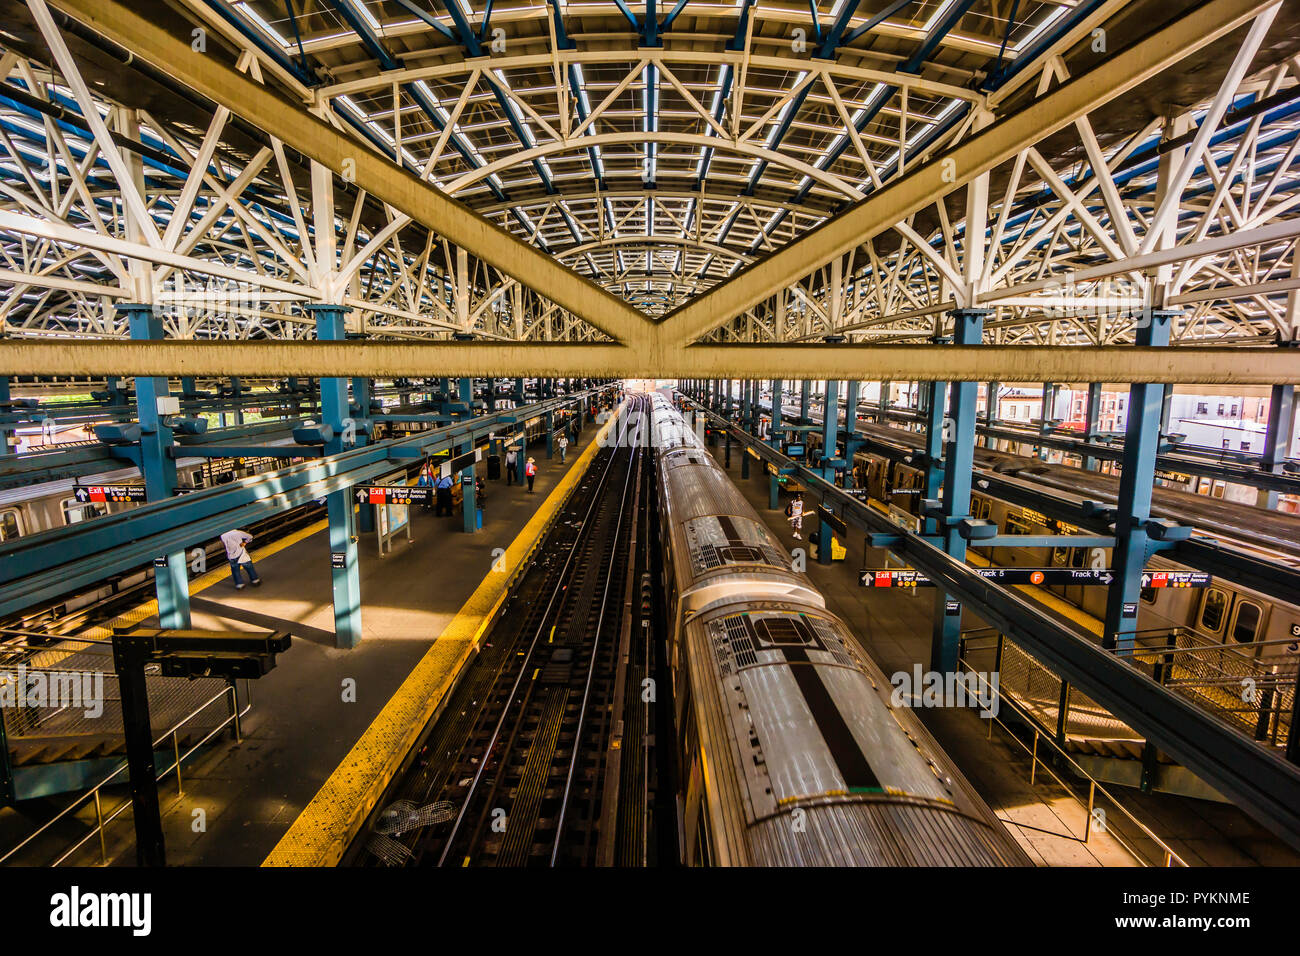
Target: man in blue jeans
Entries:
(237, 555)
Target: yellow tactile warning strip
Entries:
(329, 822)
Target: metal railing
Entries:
(1168, 855)
(1256, 696)
(94, 793)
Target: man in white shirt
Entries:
(564, 447)
(237, 555)
(794, 510)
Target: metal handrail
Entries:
(173, 732)
(1171, 858)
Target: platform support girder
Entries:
(1277, 437)
(469, 492)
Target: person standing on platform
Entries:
(426, 481)
(794, 511)
(512, 461)
(442, 490)
(563, 444)
(237, 555)
(530, 472)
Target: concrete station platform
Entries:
(300, 728)
(894, 628)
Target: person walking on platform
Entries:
(563, 444)
(794, 511)
(530, 472)
(442, 491)
(512, 461)
(237, 555)
(426, 481)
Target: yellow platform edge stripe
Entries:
(321, 833)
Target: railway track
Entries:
(533, 761)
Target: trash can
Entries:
(494, 467)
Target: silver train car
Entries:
(1256, 625)
(790, 751)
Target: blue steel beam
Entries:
(1137, 479)
(1260, 782)
(958, 432)
(171, 581)
(345, 576)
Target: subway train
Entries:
(1258, 626)
(790, 752)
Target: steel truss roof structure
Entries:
(675, 183)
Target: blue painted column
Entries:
(830, 427)
(469, 494)
(1093, 416)
(936, 409)
(550, 435)
(729, 404)
(345, 577)
(519, 391)
(361, 391)
(237, 396)
(958, 434)
(171, 580)
(1133, 510)
(778, 399)
(1277, 438)
(804, 389)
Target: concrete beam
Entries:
(923, 363)
(1112, 77)
(211, 76)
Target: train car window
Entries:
(11, 524)
(1060, 556)
(1213, 609)
(1017, 526)
(1078, 557)
(74, 511)
(1245, 622)
(1149, 595)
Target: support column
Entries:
(1133, 510)
(171, 581)
(469, 494)
(1045, 417)
(746, 406)
(778, 399)
(805, 388)
(1277, 438)
(7, 448)
(361, 392)
(345, 575)
(959, 452)
(830, 427)
(936, 402)
(1090, 427)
